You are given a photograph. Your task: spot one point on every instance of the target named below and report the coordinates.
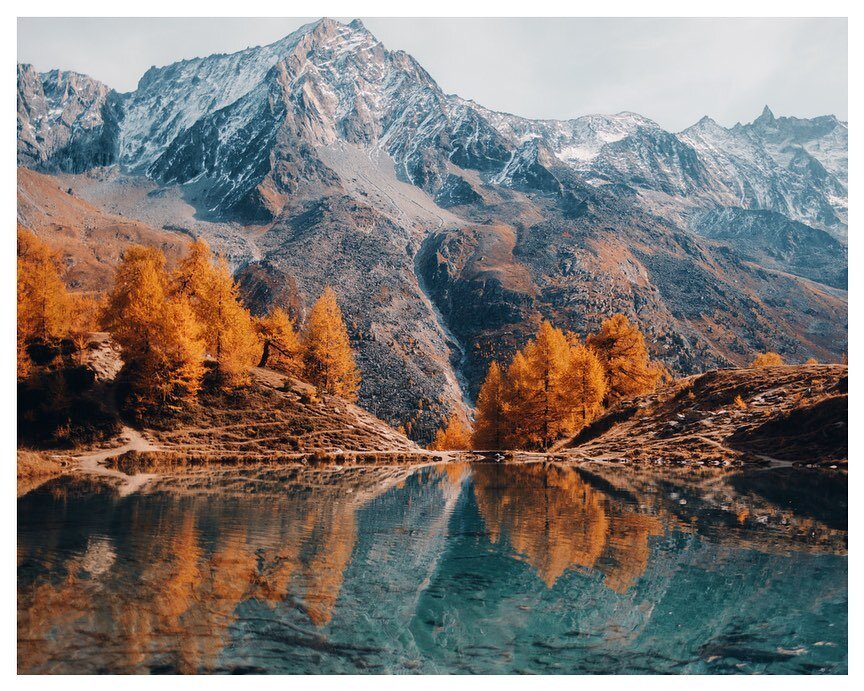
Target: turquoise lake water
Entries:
(459, 568)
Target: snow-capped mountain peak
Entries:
(327, 81)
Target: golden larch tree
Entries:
(454, 436)
(520, 394)
(586, 382)
(769, 359)
(621, 348)
(229, 332)
(227, 327)
(548, 407)
(490, 419)
(193, 273)
(327, 355)
(180, 353)
(136, 300)
(158, 333)
(282, 348)
(43, 302)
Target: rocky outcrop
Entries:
(787, 415)
(66, 121)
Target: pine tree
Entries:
(549, 356)
(282, 348)
(520, 399)
(769, 359)
(180, 352)
(194, 272)
(490, 425)
(586, 382)
(23, 363)
(541, 408)
(228, 330)
(136, 301)
(621, 348)
(328, 359)
(454, 436)
(43, 302)
(158, 333)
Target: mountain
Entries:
(91, 239)
(66, 121)
(448, 230)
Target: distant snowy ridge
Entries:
(338, 81)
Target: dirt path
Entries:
(92, 462)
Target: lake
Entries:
(453, 568)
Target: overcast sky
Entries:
(673, 71)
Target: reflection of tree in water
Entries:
(555, 521)
(601, 518)
(162, 592)
(770, 510)
(170, 603)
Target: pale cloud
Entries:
(671, 70)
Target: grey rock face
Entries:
(771, 240)
(66, 121)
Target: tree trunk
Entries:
(265, 354)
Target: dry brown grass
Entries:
(727, 418)
(36, 468)
(278, 418)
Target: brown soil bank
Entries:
(35, 468)
(795, 414)
(274, 419)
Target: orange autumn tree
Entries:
(282, 348)
(769, 359)
(180, 351)
(158, 334)
(227, 327)
(586, 381)
(43, 302)
(85, 314)
(621, 348)
(519, 396)
(550, 413)
(552, 388)
(454, 436)
(327, 355)
(229, 331)
(193, 272)
(490, 425)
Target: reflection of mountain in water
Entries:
(450, 568)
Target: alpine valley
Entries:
(447, 230)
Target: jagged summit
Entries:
(767, 117)
(338, 82)
(706, 121)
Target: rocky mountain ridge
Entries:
(447, 229)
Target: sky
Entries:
(673, 71)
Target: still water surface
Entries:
(453, 568)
